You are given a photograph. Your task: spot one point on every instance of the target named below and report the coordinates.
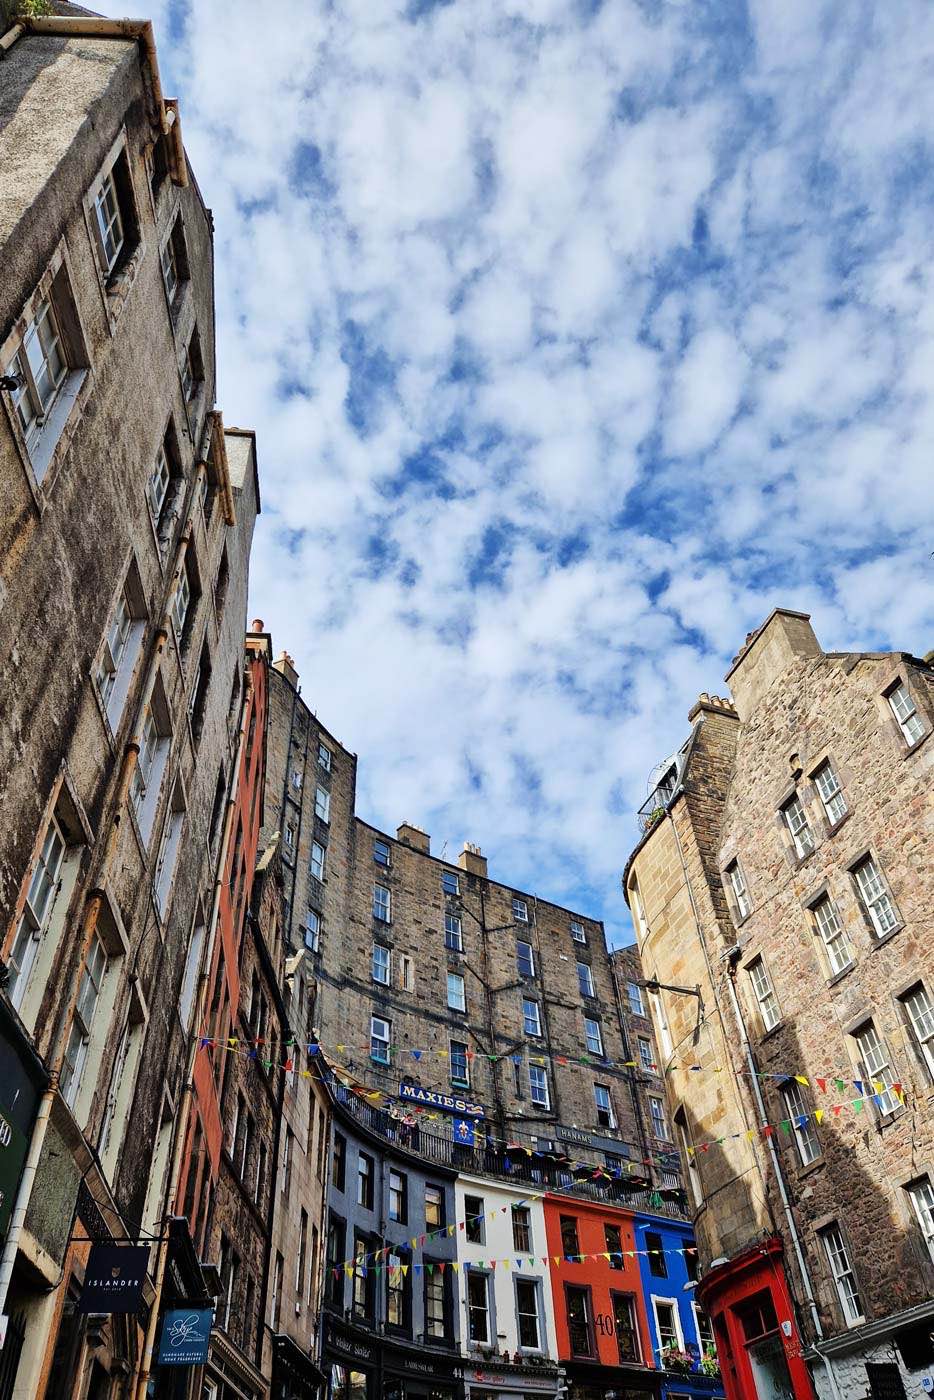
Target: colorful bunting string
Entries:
(799, 1120)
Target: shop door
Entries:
(770, 1370)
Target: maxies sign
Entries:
(447, 1103)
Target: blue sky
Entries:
(576, 336)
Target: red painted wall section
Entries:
(596, 1274)
(723, 1293)
(223, 993)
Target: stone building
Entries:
(782, 892)
(124, 544)
(429, 971)
(646, 1085)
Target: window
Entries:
(570, 1245)
(450, 883)
(245, 1146)
(538, 1086)
(316, 860)
(605, 1115)
(626, 1327)
(614, 1245)
(435, 1300)
(765, 994)
(121, 649)
(324, 757)
(738, 886)
(312, 930)
(186, 1000)
(658, 1264)
(379, 1040)
(192, 368)
(525, 959)
(157, 487)
(398, 1289)
(806, 1140)
(37, 911)
(300, 1257)
(41, 363)
(478, 1322)
(520, 911)
(906, 713)
(460, 1069)
(364, 1181)
(168, 850)
(338, 1161)
(577, 932)
(407, 972)
(531, 1017)
(457, 999)
(920, 1012)
(921, 1195)
(874, 1063)
(381, 852)
(149, 767)
(684, 1143)
(382, 904)
(380, 964)
(334, 1254)
(398, 1197)
(79, 1037)
(667, 1324)
(646, 1055)
(634, 997)
(453, 935)
(199, 692)
(170, 275)
(585, 979)
(580, 1321)
(830, 792)
(521, 1229)
(290, 836)
(797, 823)
(527, 1314)
(874, 897)
(287, 1161)
(322, 804)
(108, 223)
(832, 934)
(474, 1220)
(841, 1271)
(295, 778)
(361, 1296)
(593, 1035)
(434, 1207)
(659, 1121)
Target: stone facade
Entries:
(124, 541)
(646, 1085)
(789, 876)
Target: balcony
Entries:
(541, 1170)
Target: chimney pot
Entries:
(257, 625)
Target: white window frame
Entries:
(676, 1314)
(90, 989)
(317, 859)
(907, 715)
(536, 1287)
(380, 1035)
(740, 889)
(843, 1275)
(593, 1039)
(578, 932)
(453, 933)
(659, 1118)
(524, 943)
(450, 883)
(798, 827)
(636, 1004)
(322, 804)
(832, 934)
(830, 792)
(379, 843)
(167, 860)
(157, 487)
(919, 1011)
(459, 1000)
(764, 993)
(646, 1054)
(531, 1024)
(539, 1090)
(108, 221)
(382, 903)
(921, 1195)
(46, 879)
(312, 930)
(41, 360)
(603, 1090)
(168, 259)
(325, 757)
(455, 1057)
(181, 602)
(186, 999)
(380, 965)
(520, 910)
(876, 1068)
(876, 902)
(585, 983)
(807, 1141)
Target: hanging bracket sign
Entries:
(114, 1278)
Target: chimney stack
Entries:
(286, 667)
(413, 836)
(471, 860)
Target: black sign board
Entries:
(885, 1380)
(114, 1278)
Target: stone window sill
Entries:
(912, 749)
(878, 942)
(832, 830)
(810, 1167)
(838, 977)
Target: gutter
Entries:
(140, 30)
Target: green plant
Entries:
(674, 1359)
(12, 10)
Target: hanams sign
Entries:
(413, 1093)
(114, 1278)
(186, 1337)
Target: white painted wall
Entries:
(498, 1198)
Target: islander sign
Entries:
(428, 1098)
(113, 1278)
(186, 1337)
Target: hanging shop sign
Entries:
(464, 1131)
(186, 1337)
(428, 1098)
(114, 1278)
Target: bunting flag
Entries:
(785, 1125)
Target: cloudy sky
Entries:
(576, 335)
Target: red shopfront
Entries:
(758, 1342)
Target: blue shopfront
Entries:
(681, 1335)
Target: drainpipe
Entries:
(184, 1112)
(780, 1180)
